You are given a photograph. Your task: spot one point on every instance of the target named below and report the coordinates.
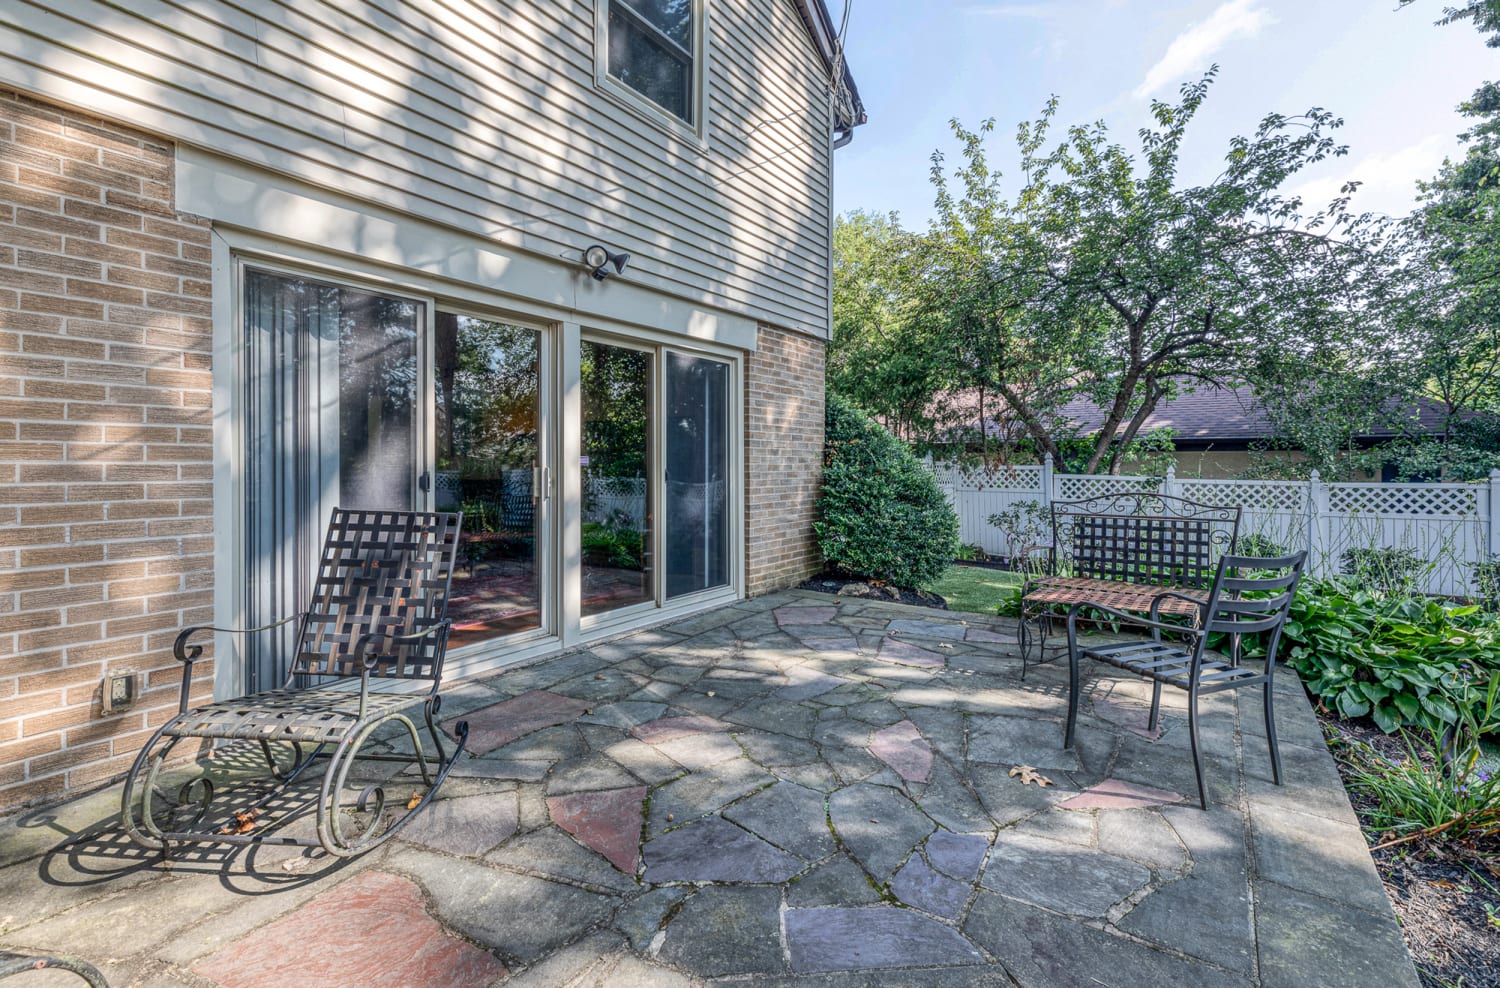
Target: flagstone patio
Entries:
(797, 789)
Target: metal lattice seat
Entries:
(1127, 550)
(379, 612)
(1235, 606)
(311, 716)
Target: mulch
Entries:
(1446, 893)
(846, 587)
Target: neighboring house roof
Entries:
(1210, 414)
(851, 111)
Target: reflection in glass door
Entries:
(330, 398)
(488, 458)
(616, 447)
(697, 474)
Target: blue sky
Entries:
(1392, 75)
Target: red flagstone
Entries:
(371, 930)
(608, 821)
(501, 723)
(672, 728)
(902, 747)
(907, 654)
(804, 615)
(1117, 794)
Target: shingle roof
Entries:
(1210, 413)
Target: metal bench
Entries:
(378, 612)
(1124, 550)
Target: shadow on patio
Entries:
(796, 788)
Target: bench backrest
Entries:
(381, 571)
(1135, 537)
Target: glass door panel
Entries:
(617, 509)
(488, 459)
(697, 474)
(331, 409)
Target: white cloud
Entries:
(1194, 48)
(1387, 178)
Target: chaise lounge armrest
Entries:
(369, 660)
(188, 654)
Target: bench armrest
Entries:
(1128, 617)
(1197, 602)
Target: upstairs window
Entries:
(652, 47)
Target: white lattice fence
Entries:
(1274, 513)
(977, 492)
(1449, 527)
(609, 499)
(1079, 486)
(1445, 524)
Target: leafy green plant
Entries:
(1487, 584)
(1390, 570)
(1366, 653)
(881, 515)
(972, 552)
(606, 545)
(1010, 601)
(1025, 523)
(1440, 786)
(1256, 544)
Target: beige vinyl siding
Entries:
(484, 116)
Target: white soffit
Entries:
(235, 194)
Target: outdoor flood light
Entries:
(597, 259)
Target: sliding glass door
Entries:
(618, 515)
(696, 475)
(644, 446)
(487, 402)
(331, 412)
(361, 396)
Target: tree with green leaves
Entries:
(877, 357)
(1107, 278)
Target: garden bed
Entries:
(1446, 893)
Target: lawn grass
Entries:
(976, 589)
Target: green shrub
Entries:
(881, 515)
(1487, 584)
(605, 545)
(1441, 786)
(1389, 570)
(1365, 653)
(1256, 544)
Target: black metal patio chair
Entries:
(1236, 606)
(378, 612)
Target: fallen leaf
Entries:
(416, 798)
(244, 822)
(1030, 775)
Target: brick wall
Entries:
(783, 458)
(105, 442)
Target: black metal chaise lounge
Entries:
(378, 612)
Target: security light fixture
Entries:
(597, 259)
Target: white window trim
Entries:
(695, 132)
